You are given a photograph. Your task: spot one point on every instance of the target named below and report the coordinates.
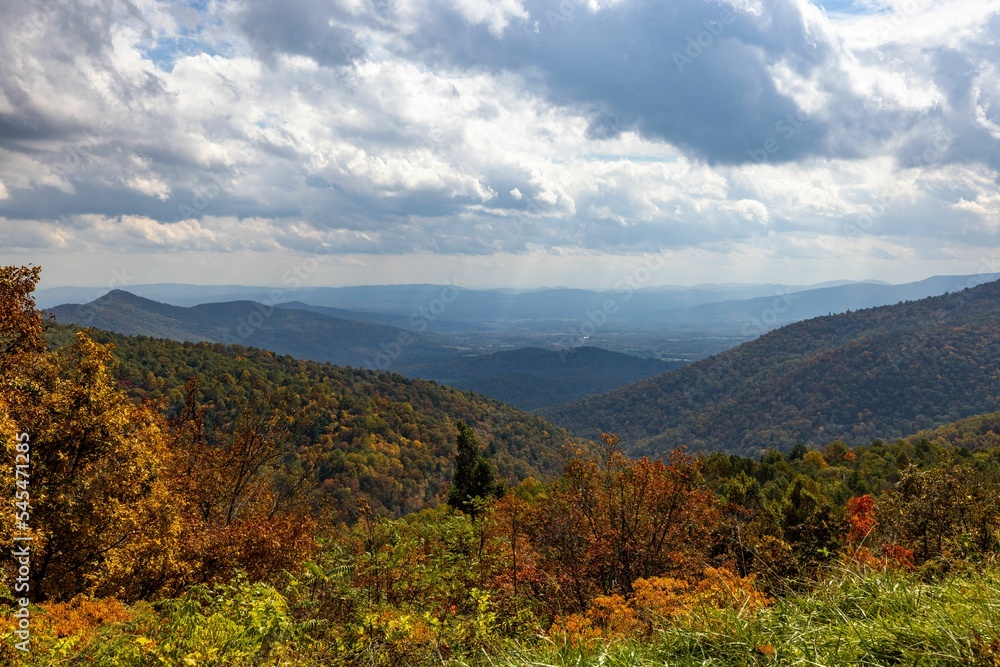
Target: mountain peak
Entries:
(120, 297)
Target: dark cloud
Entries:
(697, 74)
(690, 73)
(311, 28)
(451, 126)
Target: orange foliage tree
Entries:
(607, 523)
(239, 513)
(861, 519)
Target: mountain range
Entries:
(383, 435)
(300, 333)
(526, 378)
(514, 345)
(875, 373)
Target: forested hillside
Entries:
(380, 434)
(877, 373)
(257, 451)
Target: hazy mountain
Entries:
(728, 309)
(407, 299)
(526, 378)
(755, 316)
(876, 373)
(302, 334)
(412, 322)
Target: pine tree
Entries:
(475, 479)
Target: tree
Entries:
(104, 516)
(475, 479)
(21, 326)
(611, 521)
(21, 340)
(947, 512)
(809, 524)
(100, 515)
(245, 503)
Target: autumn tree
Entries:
(21, 326)
(100, 516)
(946, 512)
(21, 342)
(244, 485)
(861, 520)
(609, 522)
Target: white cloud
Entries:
(496, 14)
(453, 127)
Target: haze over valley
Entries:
(529, 348)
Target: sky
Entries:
(493, 143)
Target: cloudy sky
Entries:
(499, 142)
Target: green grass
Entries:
(849, 619)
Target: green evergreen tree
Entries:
(475, 479)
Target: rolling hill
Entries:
(300, 333)
(380, 434)
(878, 373)
(527, 379)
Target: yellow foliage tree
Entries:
(100, 514)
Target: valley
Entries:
(484, 340)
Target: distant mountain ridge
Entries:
(478, 304)
(734, 312)
(762, 314)
(878, 373)
(299, 333)
(527, 379)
